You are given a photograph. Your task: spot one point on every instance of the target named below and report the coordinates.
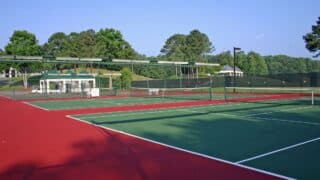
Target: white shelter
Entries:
(69, 82)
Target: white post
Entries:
(80, 86)
(48, 86)
(110, 81)
(64, 86)
(40, 85)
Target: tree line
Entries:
(194, 47)
(254, 63)
(106, 43)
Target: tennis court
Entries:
(281, 136)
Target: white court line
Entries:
(285, 120)
(268, 119)
(39, 107)
(184, 150)
(260, 118)
(281, 110)
(279, 150)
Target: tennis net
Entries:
(201, 93)
(286, 95)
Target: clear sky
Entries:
(268, 27)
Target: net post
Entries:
(312, 97)
(211, 89)
(225, 93)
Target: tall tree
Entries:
(87, 43)
(110, 44)
(198, 45)
(312, 39)
(192, 47)
(72, 45)
(56, 44)
(250, 65)
(175, 48)
(241, 59)
(1, 51)
(23, 43)
(261, 65)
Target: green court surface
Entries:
(105, 102)
(100, 102)
(233, 132)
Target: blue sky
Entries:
(268, 27)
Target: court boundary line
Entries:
(265, 119)
(35, 106)
(269, 119)
(286, 120)
(281, 110)
(184, 150)
(278, 150)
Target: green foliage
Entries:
(249, 65)
(23, 43)
(312, 39)
(192, 47)
(223, 58)
(254, 64)
(107, 44)
(87, 43)
(156, 72)
(117, 83)
(198, 45)
(175, 48)
(285, 64)
(110, 44)
(56, 44)
(209, 70)
(125, 78)
(4, 66)
(1, 52)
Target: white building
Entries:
(228, 71)
(69, 82)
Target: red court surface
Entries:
(39, 144)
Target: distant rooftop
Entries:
(229, 68)
(53, 74)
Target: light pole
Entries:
(235, 49)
